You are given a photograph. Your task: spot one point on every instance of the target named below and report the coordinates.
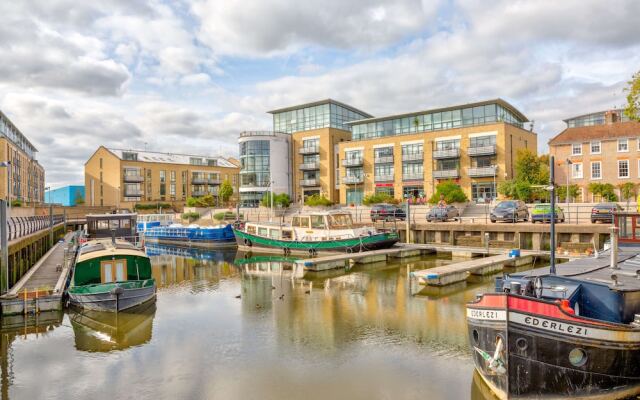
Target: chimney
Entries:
(610, 117)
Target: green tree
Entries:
(315, 200)
(451, 191)
(605, 191)
(377, 198)
(531, 168)
(628, 191)
(279, 200)
(632, 110)
(226, 191)
(561, 191)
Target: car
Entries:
(443, 214)
(603, 212)
(542, 213)
(387, 212)
(510, 211)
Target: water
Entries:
(349, 335)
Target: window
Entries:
(623, 168)
(576, 170)
(595, 147)
(317, 222)
(596, 170)
(623, 145)
(128, 156)
(576, 149)
(113, 271)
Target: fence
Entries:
(23, 226)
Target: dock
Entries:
(42, 287)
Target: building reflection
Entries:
(201, 274)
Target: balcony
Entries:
(352, 162)
(383, 160)
(385, 178)
(413, 157)
(479, 172)
(133, 192)
(213, 191)
(449, 153)
(309, 150)
(413, 176)
(214, 181)
(198, 180)
(198, 193)
(310, 182)
(133, 178)
(309, 166)
(353, 179)
(446, 174)
(482, 150)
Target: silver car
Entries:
(443, 214)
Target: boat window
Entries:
(317, 222)
(340, 221)
(125, 223)
(295, 221)
(263, 231)
(121, 271)
(304, 222)
(274, 233)
(625, 227)
(103, 224)
(113, 271)
(114, 224)
(287, 234)
(251, 229)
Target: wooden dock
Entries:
(42, 287)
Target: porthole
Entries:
(476, 336)
(521, 344)
(577, 357)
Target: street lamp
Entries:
(566, 196)
(7, 164)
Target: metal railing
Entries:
(198, 180)
(309, 150)
(446, 173)
(482, 150)
(352, 179)
(133, 178)
(482, 171)
(352, 162)
(413, 176)
(449, 153)
(133, 193)
(384, 178)
(413, 157)
(383, 160)
(259, 133)
(214, 181)
(309, 165)
(309, 182)
(23, 226)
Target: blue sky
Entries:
(188, 76)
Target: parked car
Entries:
(510, 210)
(603, 212)
(387, 212)
(443, 214)
(542, 213)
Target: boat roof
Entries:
(105, 247)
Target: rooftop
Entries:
(170, 158)
(499, 101)
(11, 125)
(602, 132)
(317, 103)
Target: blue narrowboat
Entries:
(193, 235)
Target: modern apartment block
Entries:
(599, 147)
(21, 176)
(407, 155)
(123, 178)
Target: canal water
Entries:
(230, 327)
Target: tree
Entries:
(530, 170)
(628, 191)
(226, 191)
(632, 110)
(561, 191)
(451, 191)
(606, 191)
(279, 200)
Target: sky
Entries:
(187, 76)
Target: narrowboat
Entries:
(193, 235)
(122, 226)
(566, 331)
(111, 275)
(331, 231)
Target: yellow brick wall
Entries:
(30, 192)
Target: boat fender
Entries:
(565, 306)
(117, 290)
(349, 250)
(247, 242)
(312, 252)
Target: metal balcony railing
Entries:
(413, 176)
(309, 182)
(133, 193)
(198, 180)
(449, 153)
(413, 157)
(446, 173)
(22, 226)
(214, 181)
(213, 191)
(133, 178)
(477, 172)
(482, 150)
(309, 166)
(353, 179)
(352, 162)
(384, 178)
(383, 160)
(309, 150)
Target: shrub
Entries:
(16, 203)
(225, 215)
(451, 191)
(605, 190)
(316, 200)
(226, 191)
(378, 198)
(279, 200)
(191, 216)
(152, 206)
(208, 200)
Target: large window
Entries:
(254, 163)
(447, 165)
(576, 170)
(384, 172)
(448, 144)
(412, 171)
(483, 192)
(596, 170)
(623, 168)
(482, 141)
(623, 145)
(315, 117)
(595, 147)
(415, 149)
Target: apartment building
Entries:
(599, 147)
(21, 176)
(123, 178)
(407, 155)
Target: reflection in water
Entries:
(105, 331)
(222, 330)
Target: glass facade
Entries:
(315, 117)
(483, 192)
(595, 119)
(13, 134)
(435, 121)
(254, 163)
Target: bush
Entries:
(451, 191)
(378, 198)
(225, 215)
(191, 216)
(316, 200)
(208, 200)
(604, 190)
(16, 203)
(279, 200)
(226, 191)
(152, 206)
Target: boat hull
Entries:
(113, 300)
(185, 242)
(537, 342)
(352, 245)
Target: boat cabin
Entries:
(103, 261)
(105, 225)
(628, 224)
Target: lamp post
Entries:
(566, 196)
(47, 189)
(271, 195)
(7, 164)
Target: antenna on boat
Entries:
(552, 239)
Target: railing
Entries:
(352, 179)
(446, 173)
(413, 157)
(133, 178)
(482, 150)
(383, 160)
(198, 180)
(415, 176)
(198, 193)
(213, 191)
(309, 166)
(214, 181)
(309, 182)
(482, 171)
(384, 178)
(258, 133)
(449, 153)
(133, 193)
(352, 162)
(23, 226)
(309, 150)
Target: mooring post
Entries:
(614, 247)
(4, 248)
